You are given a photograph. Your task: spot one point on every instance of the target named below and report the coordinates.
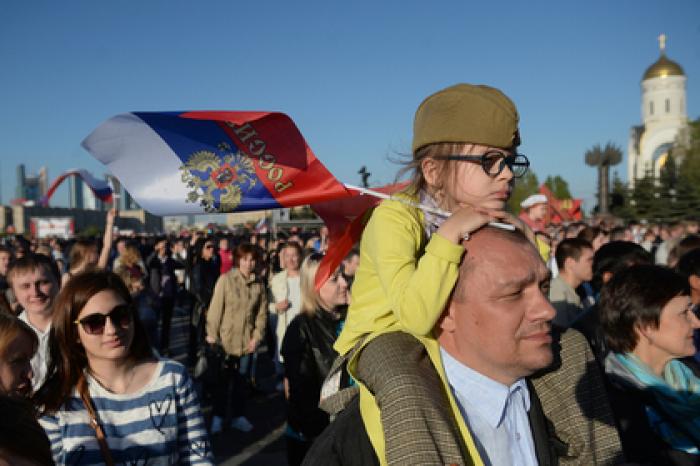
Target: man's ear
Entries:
(567, 263)
(446, 322)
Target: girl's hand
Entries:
(466, 221)
(210, 340)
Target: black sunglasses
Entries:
(493, 162)
(94, 324)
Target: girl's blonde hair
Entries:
(131, 256)
(310, 299)
(446, 168)
(80, 253)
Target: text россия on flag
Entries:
(212, 161)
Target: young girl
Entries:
(107, 399)
(464, 162)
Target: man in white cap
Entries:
(534, 211)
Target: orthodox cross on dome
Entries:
(662, 42)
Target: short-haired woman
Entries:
(236, 321)
(648, 321)
(107, 399)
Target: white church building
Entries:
(664, 116)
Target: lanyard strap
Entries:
(99, 433)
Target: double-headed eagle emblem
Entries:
(217, 181)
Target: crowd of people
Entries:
(85, 327)
(477, 337)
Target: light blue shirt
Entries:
(495, 414)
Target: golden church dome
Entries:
(662, 68)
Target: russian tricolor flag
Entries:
(212, 161)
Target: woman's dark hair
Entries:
(198, 248)
(67, 358)
(616, 256)
(635, 297)
(21, 436)
(590, 233)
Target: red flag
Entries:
(346, 219)
(561, 209)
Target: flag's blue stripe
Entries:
(186, 136)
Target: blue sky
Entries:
(350, 74)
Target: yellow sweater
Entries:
(401, 283)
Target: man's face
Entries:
(498, 321)
(4, 262)
(161, 247)
(538, 211)
(35, 290)
(583, 267)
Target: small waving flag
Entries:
(212, 161)
(100, 188)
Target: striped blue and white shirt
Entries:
(162, 424)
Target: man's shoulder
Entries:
(561, 290)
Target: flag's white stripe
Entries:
(143, 163)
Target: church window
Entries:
(668, 105)
(651, 107)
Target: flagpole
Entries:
(423, 207)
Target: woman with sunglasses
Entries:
(648, 321)
(107, 399)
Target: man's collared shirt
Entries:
(495, 413)
(40, 360)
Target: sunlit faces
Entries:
(334, 292)
(246, 264)
(291, 258)
(674, 336)
(538, 211)
(4, 262)
(15, 366)
(35, 290)
(466, 184)
(498, 321)
(115, 340)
